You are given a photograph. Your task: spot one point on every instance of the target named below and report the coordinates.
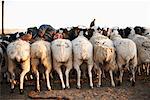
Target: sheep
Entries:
(126, 54)
(18, 51)
(104, 54)
(147, 33)
(82, 52)
(62, 55)
(1, 62)
(142, 31)
(4, 43)
(143, 48)
(41, 54)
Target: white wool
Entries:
(82, 48)
(19, 49)
(61, 49)
(40, 49)
(96, 37)
(125, 48)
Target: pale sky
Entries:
(66, 13)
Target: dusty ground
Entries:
(141, 90)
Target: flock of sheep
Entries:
(110, 53)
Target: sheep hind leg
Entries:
(67, 77)
(147, 70)
(35, 71)
(78, 76)
(48, 68)
(58, 69)
(12, 81)
(99, 77)
(34, 64)
(26, 69)
(120, 76)
(47, 79)
(90, 75)
(22, 80)
(112, 80)
(68, 68)
(133, 76)
(139, 70)
(11, 67)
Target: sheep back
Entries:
(82, 48)
(61, 50)
(18, 50)
(41, 49)
(143, 48)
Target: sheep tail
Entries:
(84, 51)
(18, 58)
(62, 50)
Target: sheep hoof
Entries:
(78, 87)
(12, 90)
(133, 83)
(37, 90)
(49, 89)
(139, 74)
(68, 87)
(98, 86)
(21, 91)
(63, 88)
(91, 87)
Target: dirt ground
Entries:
(141, 90)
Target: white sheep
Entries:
(104, 54)
(143, 49)
(62, 55)
(41, 54)
(126, 54)
(18, 51)
(82, 52)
